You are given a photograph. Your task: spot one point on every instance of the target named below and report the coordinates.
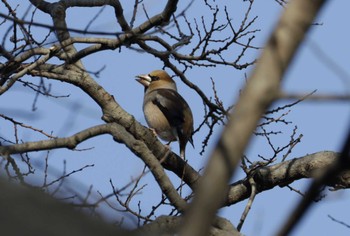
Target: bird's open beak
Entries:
(145, 80)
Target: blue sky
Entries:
(323, 124)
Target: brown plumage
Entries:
(165, 110)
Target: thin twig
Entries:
(249, 203)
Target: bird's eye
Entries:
(154, 77)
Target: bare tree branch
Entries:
(69, 142)
(284, 173)
(261, 90)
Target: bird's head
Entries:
(157, 79)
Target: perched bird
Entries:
(165, 110)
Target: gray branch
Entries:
(262, 89)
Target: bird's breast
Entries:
(156, 120)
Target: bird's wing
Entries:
(172, 106)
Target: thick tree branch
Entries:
(284, 173)
(261, 90)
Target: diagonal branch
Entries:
(141, 150)
(261, 90)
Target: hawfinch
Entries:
(165, 110)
